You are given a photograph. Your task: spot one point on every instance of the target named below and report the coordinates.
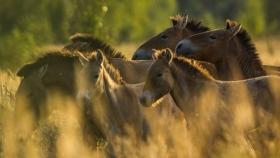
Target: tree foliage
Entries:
(29, 24)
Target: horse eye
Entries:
(213, 36)
(164, 37)
(159, 74)
(95, 76)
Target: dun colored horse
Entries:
(230, 49)
(114, 105)
(189, 84)
(181, 28)
(185, 78)
(54, 71)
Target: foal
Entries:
(113, 104)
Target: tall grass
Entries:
(231, 134)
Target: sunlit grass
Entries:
(60, 133)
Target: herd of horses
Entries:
(175, 68)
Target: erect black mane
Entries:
(192, 25)
(249, 45)
(196, 26)
(192, 67)
(87, 43)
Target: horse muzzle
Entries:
(146, 99)
(142, 54)
(185, 48)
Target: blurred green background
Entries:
(29, 24)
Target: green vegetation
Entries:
(26, 25)
(30, 24)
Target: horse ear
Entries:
(155, 54)
(185, 21)
(174, 21)
(25, 70)
(228, 24)
(236, 29)
(167, 54)
(99, 56)
(233, 27)
(82, 59)
(42, 71)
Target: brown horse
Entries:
(230, 49)
(185, 78)
(114, 105)
(181, 28)
(188, 83)
(54, 71)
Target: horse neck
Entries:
(187, 90)
(130, 69)
(106, 94)
(249, 65)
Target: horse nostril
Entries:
(142, 100)
(179, 46)
(135, 56)
(178, 49)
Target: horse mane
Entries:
(53, 56)
(87, 43)
(192, 25)
(245, 39)
(113, 73)
(192, 67)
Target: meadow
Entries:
(170, 137)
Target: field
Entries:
(170, 137)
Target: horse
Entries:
(54, 71)
(181, 28)
(230, 49)
(188, 83)
(113, 104)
